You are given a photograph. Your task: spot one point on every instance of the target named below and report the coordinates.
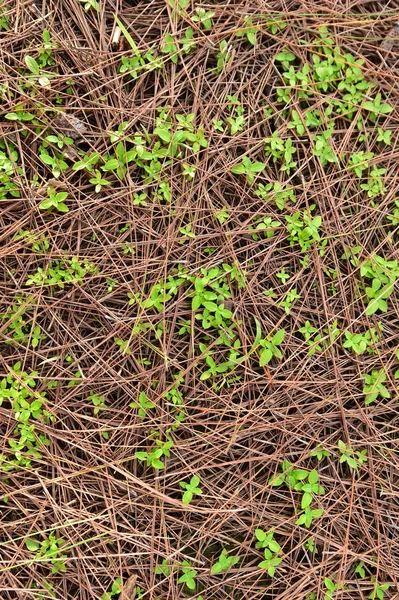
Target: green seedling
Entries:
(90, 5)
(276, 193)
(270, 348)
(359, 162)
(189, 575)
(271, 562)
(375, 183)
(354, 459)
(55, 200)
(265, 226)
(319, 452)
(191, 488)
(61, 272)
(374, 386)
(289, 300)
(306, 518)
(248, 168)
(249, 31)
(142, 404)
(224, 562)
(87, 162)
(384, 136)
(379, 590)
(203, 17)
(49, 550)
(310, 546)
(116, 589)
(97, 401)
(331, 588)
(153, 458)
(266, 540)
(360, 342)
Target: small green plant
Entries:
(360, 342)
(143, 404)
(276, 193)
(331, 588)
(289, 300)
(310, 545)
(283, 276)
(319, 452)
(374, 386)
(98, 181)
(303, 229)
(55, 200)
(358, 162)
(354, 459)
(384, 136)
(322, 148)
(270, 348)
(360, 570)
(265, 226)
(306, 518)
(61, 272)
(376, 107)
(189, 575)
(266, 540)
(191, 488)
(281, 151)
(153, 458)
(97, 401)
(236, 121)
(248, 168)
(116, 589)
(379, 589)
(91, 5)
(224, 562)
(203, 17)
(271, 548)
(49, 550)
(375, 183)
(249, 31)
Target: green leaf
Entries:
(274, 546)
(330, 585)
(32, 65)
(187, 497)
(32, 545)
(265, 357)
(194, 480)
(257, 167)
(278, 337)
(11, 116)
(111, 165)
(260, 535)
(313, 476)
(238, 169)
(306, 500)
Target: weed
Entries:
(191, 488)
(354, 459)
(189, 575)
(49, 550)
(224, 562)
(97, 401)
(142, 404)
(248, 168)
(55, 200)
(153, 458)
(374, 386)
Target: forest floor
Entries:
(199, 321)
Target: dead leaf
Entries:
(129, 588)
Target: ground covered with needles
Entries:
(198, 300)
